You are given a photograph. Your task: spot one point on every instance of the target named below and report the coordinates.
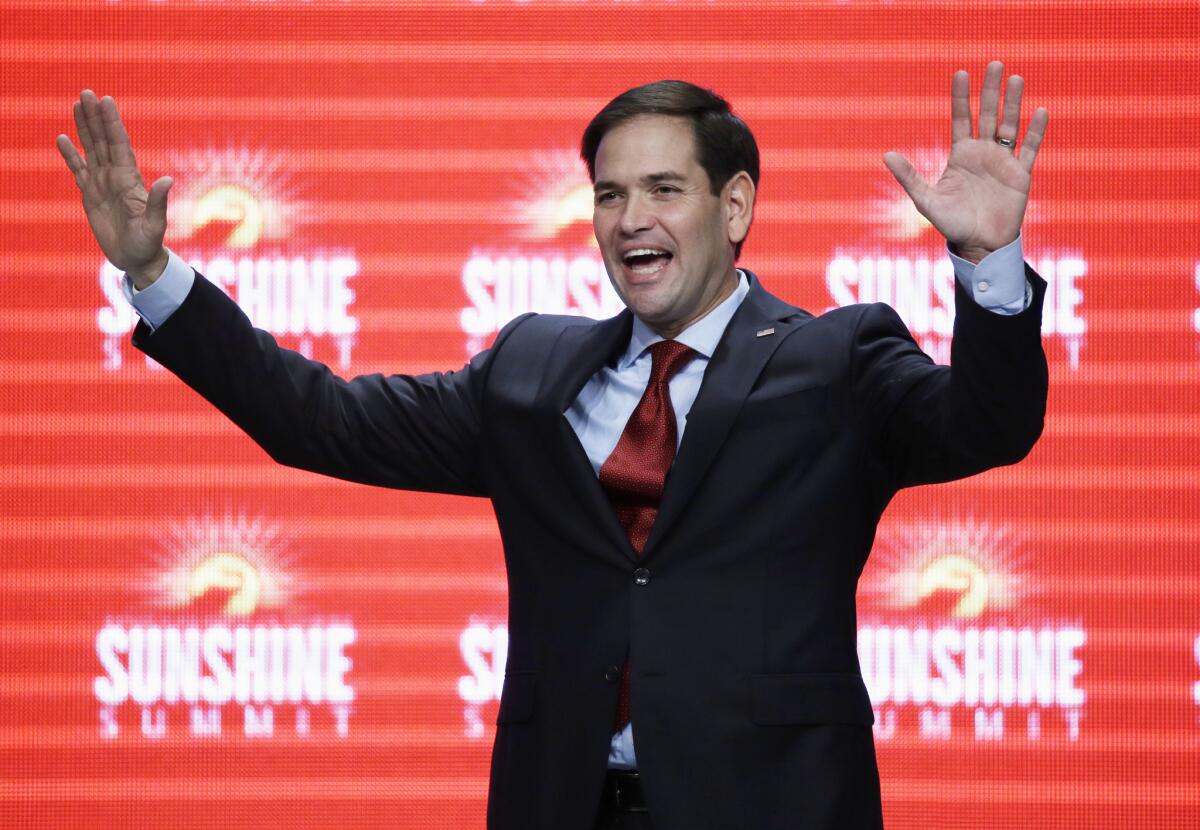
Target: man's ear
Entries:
(737, 200)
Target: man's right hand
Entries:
(128, 221)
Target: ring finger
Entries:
(1007, 132)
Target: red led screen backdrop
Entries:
(195, 636)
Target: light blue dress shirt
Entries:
(598, 415)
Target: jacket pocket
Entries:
(516, 699)
(809, 698)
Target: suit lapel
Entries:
(578, 353)
(756, 330)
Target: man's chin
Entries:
(658, 316)
(647, 304)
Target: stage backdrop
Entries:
(194, 636)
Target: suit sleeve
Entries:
(928, 423)
(415, 432)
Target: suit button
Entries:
(641, 576)
(612, 674)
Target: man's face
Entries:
(667, 240)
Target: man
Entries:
(687, 492)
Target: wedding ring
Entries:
(1005, 142)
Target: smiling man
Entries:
(686, 492)
(667, 234)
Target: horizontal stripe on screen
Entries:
(780, 52)
(179, 109)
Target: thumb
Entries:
(909, 178)
(156, 201)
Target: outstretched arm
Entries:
(418, 432)
(412, 432)
(933, 423)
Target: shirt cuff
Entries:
(158, 301)
(997, 282)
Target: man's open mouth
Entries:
(647, 260)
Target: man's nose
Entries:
(637, 215)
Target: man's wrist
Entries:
(971, 255)
(996, 282)
(143, 277)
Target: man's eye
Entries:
(601, 198)
(666, 189)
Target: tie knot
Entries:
(669, 356)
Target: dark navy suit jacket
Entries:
(749, 709)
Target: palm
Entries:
(980, 198)
(115, 200)
(979, 201)
(128, 221)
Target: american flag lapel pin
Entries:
(764, 332)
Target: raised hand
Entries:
(979, 201)
(128, 221)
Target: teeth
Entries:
(652, 268)
(645, 252)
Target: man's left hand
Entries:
(979, 201)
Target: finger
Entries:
(95, 123)
(915, 186)
(989, 100)
(70, 155)
(82, 130)
(960, 106)
(119, 148)
(1033, 137)
(156, 201)
(1011, 121)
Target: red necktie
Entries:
(636, 470)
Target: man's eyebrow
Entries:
(665, 176)
(648, 179)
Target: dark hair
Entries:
(724, 143)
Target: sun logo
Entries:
(232, 566)
(231, 574)
(959, 576)
(231, 205)
(235, 198)
(959, 569)
(560, 205)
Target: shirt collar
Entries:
(702, 335)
